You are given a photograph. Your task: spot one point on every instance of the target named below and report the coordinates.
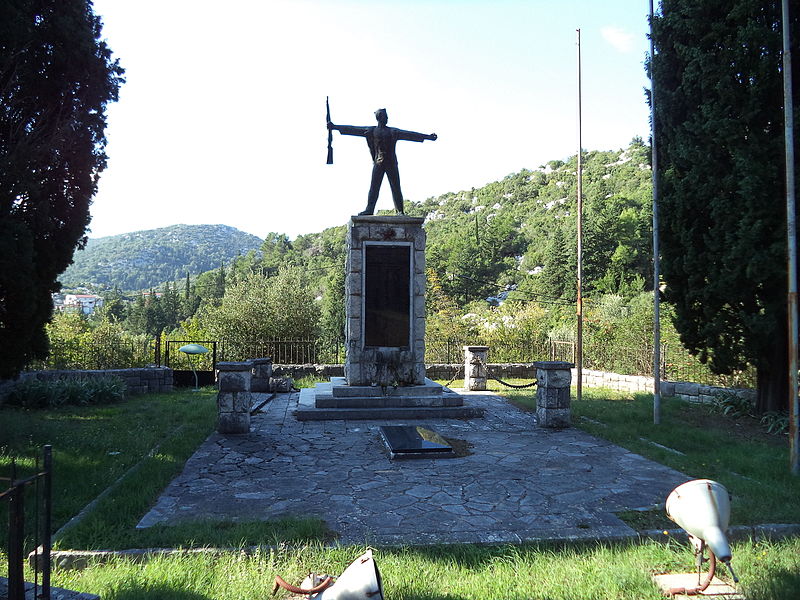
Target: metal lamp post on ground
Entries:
(193, 350)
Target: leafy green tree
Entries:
(259, 308)
(333, 317)
(56, 78)
(719, 122)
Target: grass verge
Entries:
(135, 448)
(768, 571)
(752, 464)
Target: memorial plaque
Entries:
(387, 295)
(408, 441)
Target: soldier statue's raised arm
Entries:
(382, 140)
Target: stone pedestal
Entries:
(475, 373)
(234, 399)
(552, 394)
(261, 374)
(385, 301)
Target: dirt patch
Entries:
(745, 428)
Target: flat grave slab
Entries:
(410, 441)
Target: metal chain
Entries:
(459, 370)
(505, 383)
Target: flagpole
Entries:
(791, 233)
(656, 249)
(579, 357)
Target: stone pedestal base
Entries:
(475, 372)
(261, 375)
(552, 394)
(234, 399)
(385, 301)
(338, 400)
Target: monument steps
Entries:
(309, 408)
(340, 389)
(330, 401)
(380, 414)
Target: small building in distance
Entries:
(84, 303)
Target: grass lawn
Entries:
(752, 464)
(135, 448)
(147, 439)
(768, 571)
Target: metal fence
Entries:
(286, 352)
(37, 489)
(677, 364)
(125, 354)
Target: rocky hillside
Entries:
(143, 259)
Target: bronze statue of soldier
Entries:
(382, 141)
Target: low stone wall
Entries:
(615, 381)
(147, 380)
(696, 392)
(691, 392)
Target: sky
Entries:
(222, 116)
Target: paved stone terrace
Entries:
(520, 483)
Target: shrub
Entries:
(732, 405)
(775, 422)
(35, 393)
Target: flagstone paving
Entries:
(519, 483)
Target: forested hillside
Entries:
(516, 236)
(144, 259)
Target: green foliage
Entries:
(56, 79)
(775, 422)
(732, 405)
(52, 393)
(333, 316)
(154, 313)
(519, 233)
(259, 308)
(80, 343)
(719, 120)
(144, 259)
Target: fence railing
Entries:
(14, 496)
(316, 351)
(676, 364)
(116, 354)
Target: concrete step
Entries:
(340, 389)
(382, 414)
(330, 401)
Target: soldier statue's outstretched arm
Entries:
(413, 136)
(349, 129)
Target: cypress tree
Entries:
(56, 79)
(719, 132)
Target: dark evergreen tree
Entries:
(56, 79)
(719, 131)
(558, 278)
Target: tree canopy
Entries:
(719, 131)
(56, 78)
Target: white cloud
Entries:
(618, 38)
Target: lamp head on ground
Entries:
(702, 507)
(361, 580)
(192, 350)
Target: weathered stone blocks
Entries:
(261, 374)
(475, 372)
(552, 394)
(234, 399)
(392, 362)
